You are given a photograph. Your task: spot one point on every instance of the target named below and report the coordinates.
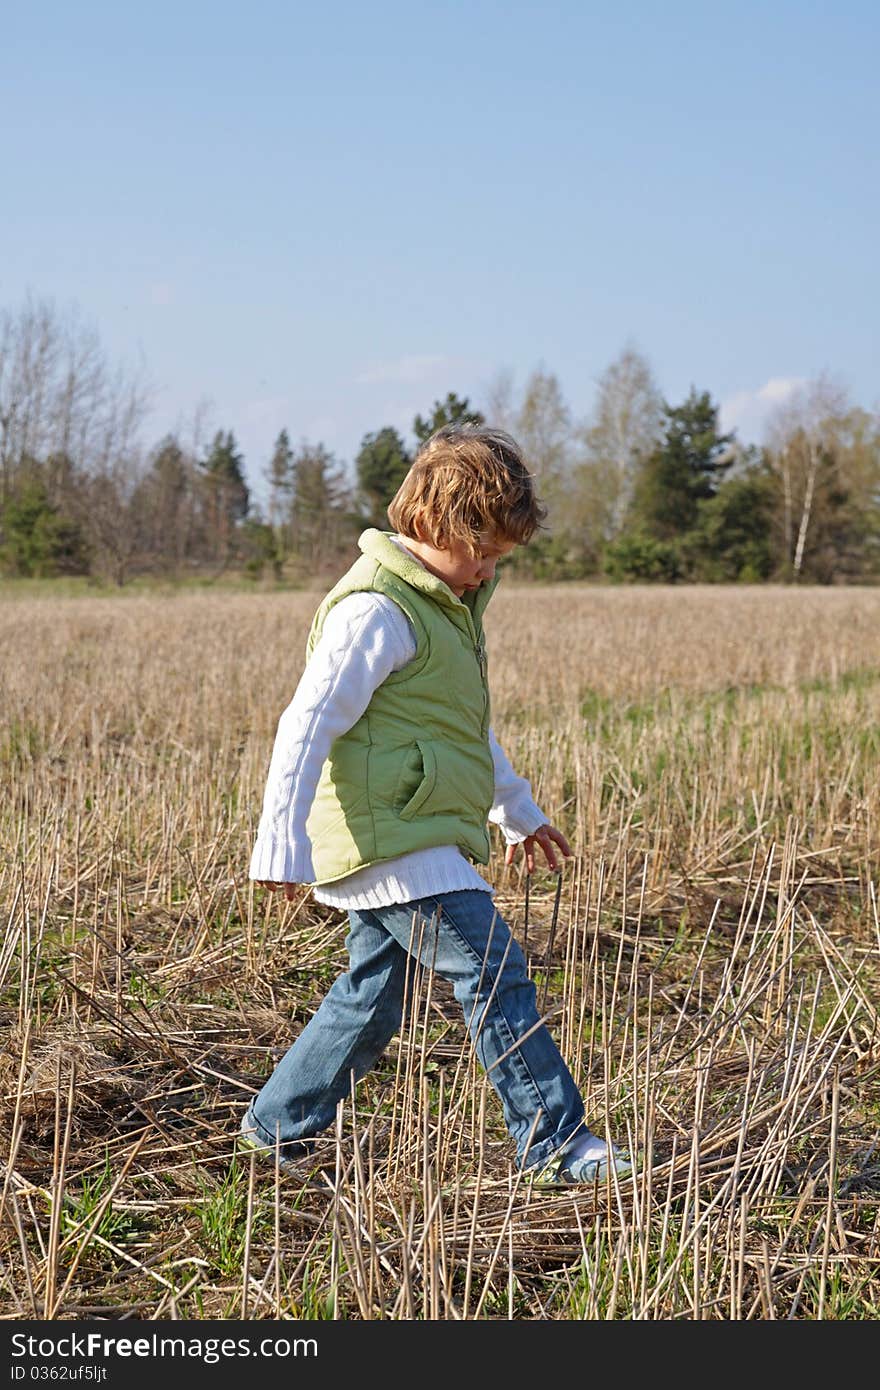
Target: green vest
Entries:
(416, 769)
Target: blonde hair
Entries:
(466, 480)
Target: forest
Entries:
(639, 489)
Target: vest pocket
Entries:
(416, 781)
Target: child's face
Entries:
(459, 570)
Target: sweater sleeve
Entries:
(513, 808)
(365, 637)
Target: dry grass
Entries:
(711, 972)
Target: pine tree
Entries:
(381, 465)
(452, 411)
(226, 494)
(280, 478)
(686, 468)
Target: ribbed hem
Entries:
(517, 824)
(279, 861)
(402, 880)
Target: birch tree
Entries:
(803, 438)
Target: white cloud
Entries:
(748, 412)
(779, 388)
(411, 370)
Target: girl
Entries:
(384, 774)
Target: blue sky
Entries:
(323, 218)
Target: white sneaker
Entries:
(250, 1140)
(589, 1166)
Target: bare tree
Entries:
(319, 507)
(58, 396)
(108, 513)
(803, 433)
(542, 424)
(544, 430)
(627, 423)
(499, 410)
(30, 383)
(165, 506)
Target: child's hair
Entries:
(466, 480)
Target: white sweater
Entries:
(365, 637)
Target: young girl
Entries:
(384, 773)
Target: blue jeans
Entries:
(466, 941)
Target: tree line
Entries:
(641, 490)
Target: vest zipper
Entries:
(480, 652)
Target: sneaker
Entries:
(565, 1169)
(249, 1140)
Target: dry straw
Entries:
(708, 960)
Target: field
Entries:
(709, 962)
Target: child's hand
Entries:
(546, 836)
(289, 888)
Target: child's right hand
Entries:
(546, 836)
(289, 888)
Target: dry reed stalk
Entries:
(60, 1151)
(248, 1227)
(832, 1190)
(26, 1259)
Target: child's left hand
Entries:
(546, 836)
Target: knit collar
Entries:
(390, 550)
